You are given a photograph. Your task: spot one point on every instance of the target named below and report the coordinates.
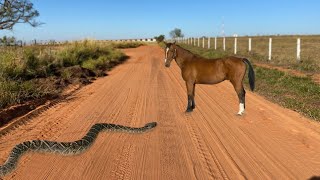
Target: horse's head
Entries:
(170, 53)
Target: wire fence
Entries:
(276, 49)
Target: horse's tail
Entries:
(251, 74)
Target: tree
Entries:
(17, 11)
(4, 40)
(12, 40)
(176, 33)
(160, 38)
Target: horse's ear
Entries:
(165, 43)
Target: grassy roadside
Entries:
(300, 94)
(31, 73)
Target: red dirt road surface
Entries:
(268, 142)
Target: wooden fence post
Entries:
(270, 48)
(224, 44)
(198, 42)
(208, 42)
(298, 50)
(215, 43)
(203, 42)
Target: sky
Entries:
(127, 19)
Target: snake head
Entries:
(150, 125)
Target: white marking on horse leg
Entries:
(165, 59)
(241, 109)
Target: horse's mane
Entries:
(188, 51)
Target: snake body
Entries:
(66, 148)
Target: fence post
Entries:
(235, 45)
(224, 44)
(191, 41)
(270, 48)
(203, 42)
(215, 43)
(208, 42)
(194, 41)
(198, 42)
(298, 50)
(249, 44)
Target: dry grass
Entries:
(32, 72)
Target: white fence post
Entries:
(224, 43)
(215, 43)
(203, 42)
(249, 44)
(270, 48)
(298, 50)
(198, 42)
(208, 42)
(235, 45)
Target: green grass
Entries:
(33, 72)
(297, 93)
(300, 94)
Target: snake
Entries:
(66, 148)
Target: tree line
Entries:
(175, 33)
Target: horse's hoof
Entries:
(240, 113)
(193, 107)
(189, 110)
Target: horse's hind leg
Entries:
(242, 99)
(241, 95)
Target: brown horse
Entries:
(199, 70)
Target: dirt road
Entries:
(268, 142)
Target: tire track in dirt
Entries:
(268, 142)
(207, 157)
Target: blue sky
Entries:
(120, 19)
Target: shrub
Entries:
(127, 45)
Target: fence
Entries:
(281, 49)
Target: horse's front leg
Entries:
(190, 90)
(193, 94)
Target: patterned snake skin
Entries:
(66, 148)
